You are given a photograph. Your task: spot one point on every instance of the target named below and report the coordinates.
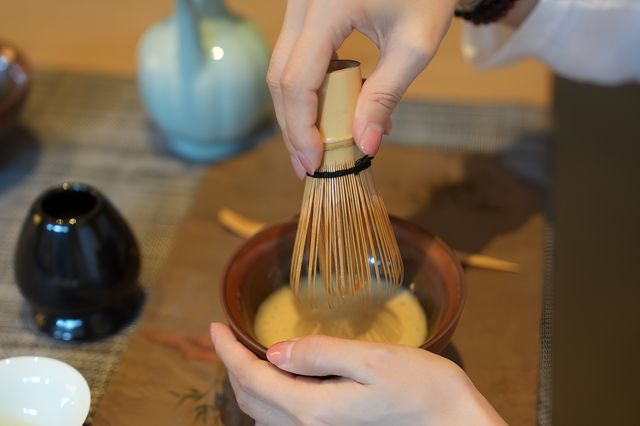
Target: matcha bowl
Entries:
(261, 266)
(15, 81)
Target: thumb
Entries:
(324, 356)
(382, 92)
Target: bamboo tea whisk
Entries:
(345, 248)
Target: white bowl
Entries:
(38, 391)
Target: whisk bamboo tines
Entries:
(345, 248)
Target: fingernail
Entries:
(305, 163)
(280, 353)
(370, 139)
(297, 167)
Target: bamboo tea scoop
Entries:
(246, 228)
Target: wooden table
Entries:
(470, 200)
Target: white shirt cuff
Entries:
(590, 40)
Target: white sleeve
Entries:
(589, 40)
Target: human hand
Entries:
(407, 32)
(376, 384)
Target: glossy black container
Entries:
(77, 264)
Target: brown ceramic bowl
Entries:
(261, 266)
(15, 78)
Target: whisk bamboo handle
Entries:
(337, 99)
(246, 228)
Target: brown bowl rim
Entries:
(433, 343)
(19, 93)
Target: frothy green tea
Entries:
(400, 319)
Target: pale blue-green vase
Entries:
(201, 74)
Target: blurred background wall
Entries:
(101, 37)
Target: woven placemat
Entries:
(466, 127)
(91, 129)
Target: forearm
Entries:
(481, 410)
(466, 403)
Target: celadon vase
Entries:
(201, 75)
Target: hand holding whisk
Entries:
(344, 240)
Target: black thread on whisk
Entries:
(360, 165)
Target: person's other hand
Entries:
(407, 32)
(375, 384)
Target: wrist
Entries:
(477, 407)
(468, 403)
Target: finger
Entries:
(328, 399)
(291, 28)
(260, 411)
(298, 168)
(231, 352)
(324, 31)
(399, 65)
(330, 356)
(388, 126)
(255, 376)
